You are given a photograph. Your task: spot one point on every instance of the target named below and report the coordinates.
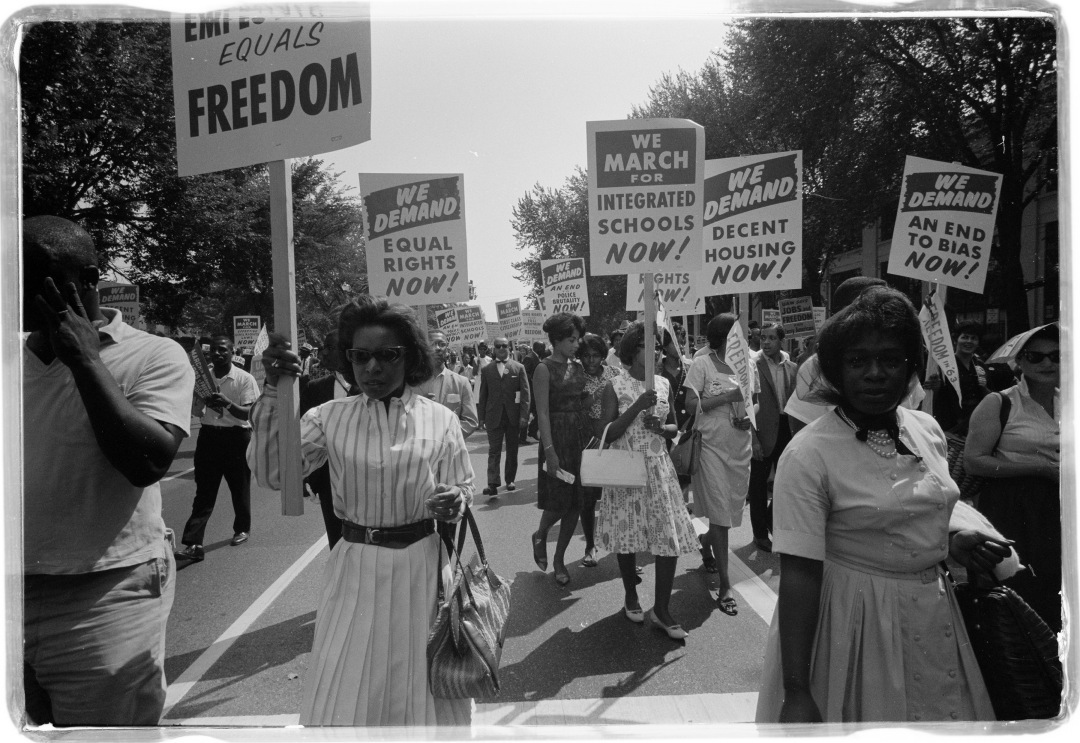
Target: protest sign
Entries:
(565, 287)
(677, 291)
(123, 297)
(945, 224)
(491, 332)
(532, 326)
(737, 356)
(819, 318)
(935, 330)
(797, 316)
(415, 229)
(509, 316)
(251, 90)
(471, 325)
(768, 316)
(752, 225)
(645, 180)
(245, 331)
(204, 378)
(447, 322)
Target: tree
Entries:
(554, 223)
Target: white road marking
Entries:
(179, 688)
(178, 474)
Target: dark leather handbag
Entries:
(1017, 652)
(686, 454)
(466, 640)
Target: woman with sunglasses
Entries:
(867, 628)
(398, 463)
(652, 518)
(1023, 463)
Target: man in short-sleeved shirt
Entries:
(449, 389)
(105, 407)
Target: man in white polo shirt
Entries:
(105, 407)
(221, 451)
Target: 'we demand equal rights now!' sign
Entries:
(645, 190)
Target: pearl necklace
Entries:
(879, 441)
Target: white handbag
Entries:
(612, 468)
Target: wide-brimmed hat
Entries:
(1010, 349)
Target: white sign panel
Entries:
(415, 229)
(509, 316)
(532, 323)
(565, 286)
(123, 297)
(246, 330)
(678, 292)
(252, 89)
(797, 316)
(447, 322)
(645, 180)
(471, 324)
(945, 224)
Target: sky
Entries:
(503, 99)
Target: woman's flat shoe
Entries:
(727, 605)
(589, 561)
(539, 551)
(562, 577)
(675, 632)
(637, 616)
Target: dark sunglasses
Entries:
(1036, 357)
(501, 345)
(386, 355)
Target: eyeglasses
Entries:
(501, 345)
(860, 362)
(438, 344)
(1036, 357)
(387, 355)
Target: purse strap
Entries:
(466, 525)
(603, 436)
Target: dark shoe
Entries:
(727, 605)
(191, 553)
(239, 538)
(539, 545)
(510, 487)
(492, 491)
(589, 561)
(562, 577)
(764, 544)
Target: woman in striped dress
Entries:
(397, 463)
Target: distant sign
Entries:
(447, 322)
(797, 316)
(509, 315)
(945, 224)
(819, 318)
(246, 331)
(752, 224)
(532, 326)
(415, 229)
(491, 331)
(123, 297)
(645, 181)
(768, 316)
(565, 286)
(678, 292)
(249, 90)
(471, 325)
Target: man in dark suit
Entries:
(325, 389)
(504, 410)
(776, 372)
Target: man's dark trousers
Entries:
(760, 510)
(511, 432)
(220, 452)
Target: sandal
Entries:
(539, 545)
(727, 605)
(589, 561)
(562, 577)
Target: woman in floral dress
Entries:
(651, 518)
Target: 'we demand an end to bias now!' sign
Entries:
(645, 190)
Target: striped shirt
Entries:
(383, 464)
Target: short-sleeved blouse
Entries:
(833, 496)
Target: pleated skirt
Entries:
(368, 665)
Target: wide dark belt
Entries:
(387, 536)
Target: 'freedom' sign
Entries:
(251, 90)
(565, 286)
(645, 181)
(945, 224)
(415, 229)
(753, 224)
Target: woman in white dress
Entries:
(652, 518)
(397, 463)
(722, 480)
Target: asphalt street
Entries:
(242, 625)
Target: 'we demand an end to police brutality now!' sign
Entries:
(945, 224)
(645, 189)
(415, 229)
(566, 287)
(752, 224)
(254, 89)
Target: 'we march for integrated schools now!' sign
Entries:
(415, 229)
(645, 190)
(945, 224)
(752, 224)
(250, 89)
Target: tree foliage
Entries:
(99, 148)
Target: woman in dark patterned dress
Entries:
(559, 387)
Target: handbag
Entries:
(465, 644)
(971, 485)
(686, 454)
(612, 468)
(1016, 651)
